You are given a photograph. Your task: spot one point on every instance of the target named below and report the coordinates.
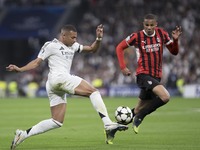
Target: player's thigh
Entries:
(84, 89)
(55, 96)
(64, 83)
(68, 83)
(147, 82)
(161, 92)
(76, 85)
(145, 95)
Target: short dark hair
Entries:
(150, 16)
(69, 27)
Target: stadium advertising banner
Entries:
(191, 91)
(123, 91)
(114, 91)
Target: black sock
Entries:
(141, 114)
(157, 102)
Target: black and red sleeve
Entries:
(120, 53)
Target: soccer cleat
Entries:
(136, 129)
(19, 138)
(111, 129)
(136, 124)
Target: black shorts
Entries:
(146, 83)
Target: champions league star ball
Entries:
(123, 115)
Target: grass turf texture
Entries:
(176, 126)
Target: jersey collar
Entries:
(149, 35)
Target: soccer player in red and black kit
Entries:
(148, 44)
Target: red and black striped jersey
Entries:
(149, 50)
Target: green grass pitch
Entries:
(176, 126)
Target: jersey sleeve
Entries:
(45, 51)
(130, 40)
(120, 52)
(167, 39)
(78, 47)
(172, 45)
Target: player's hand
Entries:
(177, 32)
(126, 71)
(13, 68)
(99, 31)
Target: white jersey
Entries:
(59, 56)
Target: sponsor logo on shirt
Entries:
(149, 82)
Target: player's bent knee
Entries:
(166, 98)
(94, 90)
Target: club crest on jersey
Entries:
(144, 41)
(158, 40)
(128, 38)
(149, 82)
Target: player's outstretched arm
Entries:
(31, 65)
(96, 44)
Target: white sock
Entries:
(43, 126)
(100, 107)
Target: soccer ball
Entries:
(123, 115)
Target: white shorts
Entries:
(59, 85)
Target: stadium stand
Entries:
(120, 18)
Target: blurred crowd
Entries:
(120, 18)
(18, 3)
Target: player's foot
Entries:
(19, 138)
(111, 129)
(136, 124)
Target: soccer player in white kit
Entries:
(59, 53)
